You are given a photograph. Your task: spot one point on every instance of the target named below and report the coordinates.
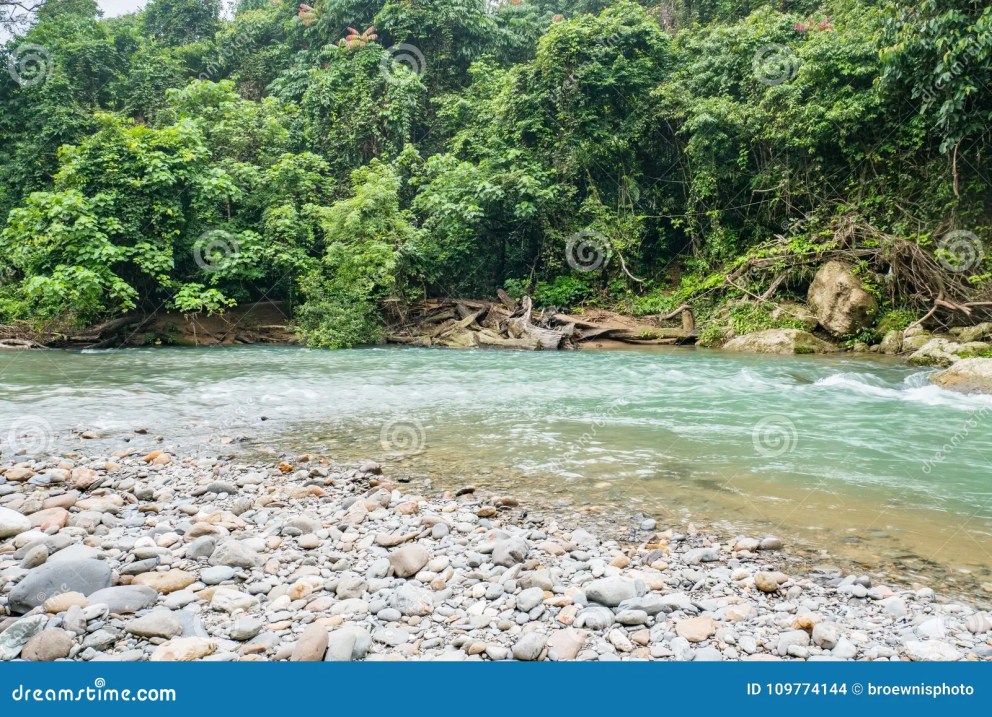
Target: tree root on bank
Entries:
(261, 322)
(910, 275)
(459, 323)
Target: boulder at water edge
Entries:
(842, 305)
(779, 341)
(972, 375)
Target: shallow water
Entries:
(859, 457)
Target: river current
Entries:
(857, 458)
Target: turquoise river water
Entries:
(855, 458)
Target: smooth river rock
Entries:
(972, 375)
(696, 629)
(529, 647)
(83, 576)
(168, 582)
(158, 623)
(184, 649)
(13, 523)
(48, 646)
(235, 554)
(611, 591)
(312, 645)
(409, 560)
(125, 599)
(348, 643)
(932, 651)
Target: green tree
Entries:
(367, 237)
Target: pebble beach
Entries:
(168, 558)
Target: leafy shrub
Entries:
(564, 292)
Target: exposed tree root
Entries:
(458, 323)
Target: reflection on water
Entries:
(841, 452)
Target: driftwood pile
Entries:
(461, 323)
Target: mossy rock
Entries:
(780, 341)
(968, 334)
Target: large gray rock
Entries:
(529, 647)
(529, 599)
(202, 547)
(779, 341)
(611, 591)
(13, 523)
(348, 643)
(84, 576)
(158, 623)
(979, 332)
(595, 617)
(510, 552)
(216, 574)
(125, 599)
(411, 600)
(245, 628)
(839, 299)
(973, 375)
(234, 554)
(650, 604)
(791, 638)
(932, 651)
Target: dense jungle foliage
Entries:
(351, 156)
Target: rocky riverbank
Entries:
(158, 558)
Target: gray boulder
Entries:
(347, 644)
(235, 554)
(125, 599)
(84, 576)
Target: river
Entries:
(855, 458)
